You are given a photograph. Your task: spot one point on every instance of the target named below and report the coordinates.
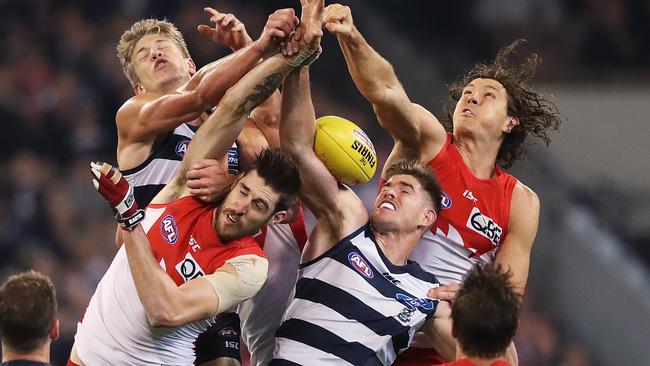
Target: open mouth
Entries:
(159, 63)
(467, 112)
(231, 218)
(388, 206)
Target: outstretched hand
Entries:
(277, 28)
(228, 31)
(303, 47)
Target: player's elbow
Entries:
(158, 319)
(163, 314)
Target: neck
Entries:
(477, 360)
(397, 247)
(41, 354)
(478, 153)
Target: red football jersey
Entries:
(184, 241)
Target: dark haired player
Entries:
(484, 317)
(189, 260)
(487, 214)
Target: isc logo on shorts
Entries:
(181, 147)
(168, 229)
(189, 269)
(360, 264)
(484, 226)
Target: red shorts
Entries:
(70, 363)
(419, 357)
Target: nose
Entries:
(473, 98)
(390, 193)
(156, 54)
(241, 207)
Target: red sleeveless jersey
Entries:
(184, 241)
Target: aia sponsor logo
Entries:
(360, 264)
(413, 303)
(445, 200)
(181, 147)
(168, 229)
(484, 225)
(229, 332)
(189, 268)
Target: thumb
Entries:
(204, 29)
(337, 28)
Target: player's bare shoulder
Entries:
(129, 112)
(525, 204)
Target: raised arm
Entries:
(220, 130)
(148, 114)
(414, 129)
(337, 209)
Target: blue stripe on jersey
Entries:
(323, 293)
(353, 352)
(411, 267)
(384, 287)
(146, 193)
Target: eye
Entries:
(465, 92)
(491, 95)
(244, 193)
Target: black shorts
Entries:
(220, 340)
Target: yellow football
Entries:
(345, 149)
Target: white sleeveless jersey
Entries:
(115, 329)
(352, 306)
(261, 315)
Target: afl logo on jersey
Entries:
(360, 264)
(168, 229)
(445, 200)
(181, 147)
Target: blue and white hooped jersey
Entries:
(352, 306)
(149, 178)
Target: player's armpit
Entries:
(238, 280)
(438, 329)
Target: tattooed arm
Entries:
(219, 131)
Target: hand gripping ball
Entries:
(345, 149)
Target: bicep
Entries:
(153, 114)
(514, 254)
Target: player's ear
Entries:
(278, 217)
(54, 332)
(429, 218)
(192, 66)
(138, 89)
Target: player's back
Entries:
(352, 306)
(115, 328)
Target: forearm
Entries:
(221, 129)
(372, 74)
(156, 289)
(297, 128)
(267, 119)
(217, 77)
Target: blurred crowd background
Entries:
(61, 84)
